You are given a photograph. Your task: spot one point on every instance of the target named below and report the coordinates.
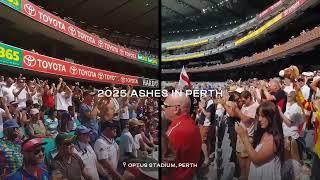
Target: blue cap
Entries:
(82, 130)
(11, 123)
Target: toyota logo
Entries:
(100, 43)
(100, 75)
(72, 30)
(73, 70)
(29, 60)
(30, 9)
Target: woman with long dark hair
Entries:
(267, 152)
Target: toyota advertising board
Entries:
(55, 22)
(16, 57)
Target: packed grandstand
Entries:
(222, 45)
(55, 58)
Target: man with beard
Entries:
(67, 162)
(33, 167)
(10, 149)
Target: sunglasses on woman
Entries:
(37, 151)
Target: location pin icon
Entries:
(124, 164)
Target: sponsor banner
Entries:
(10, 56)
(59, 24)
(147, 59)
(153, 83)
(183, 57)
(44, 64)
(293, 8)
(260, 30)
(197, 43)
(15, 4)
(270, 9)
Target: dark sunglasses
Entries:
(36, 152)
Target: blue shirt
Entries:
(21, 174)
(89, 123)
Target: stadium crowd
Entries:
(61, 130)
(271, 124)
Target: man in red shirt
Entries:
(183, 135)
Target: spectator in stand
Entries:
(292, 118)
(66, 124)
(207, 112)
(128, 146)
(89, 111)
(10, 149)
(140, 139)
(107, 150)
(124, 111)
(247, 119)
(276, 94)
(35, 127)
(33, 167)
(7, 91)
(74, 116)
(67, 162)
(52, 123)
(48, 96)
(266, 153)
(21, 92)
(63, 98)
(183, 135)
(86, 153)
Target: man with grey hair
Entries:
(276, 94)
(183, 134)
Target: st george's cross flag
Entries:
(184, 80)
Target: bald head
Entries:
(177, 104)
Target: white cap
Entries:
(308, 74)
(281, 73)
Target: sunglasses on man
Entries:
(164, 106)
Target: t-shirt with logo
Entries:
(107, 149)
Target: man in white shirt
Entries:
(21, 92)
(63, 98)
(107, 150)
(7, 91)
(86, 153)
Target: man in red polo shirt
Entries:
(183, 135)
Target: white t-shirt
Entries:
(8, 93)
(295, 114)
(108, 149)
(250, 111)
(89, 159)
(21, 98)
(62, 103)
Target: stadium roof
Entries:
(130, 17)
(187, 14)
